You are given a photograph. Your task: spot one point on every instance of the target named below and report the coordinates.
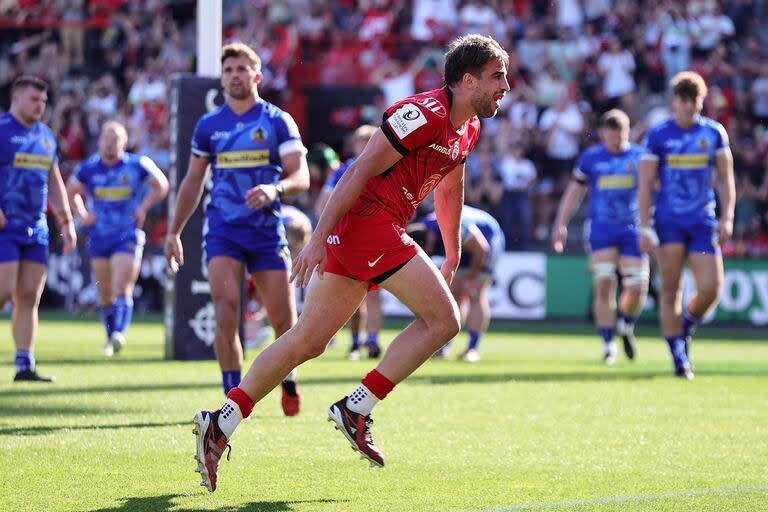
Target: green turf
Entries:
(538, 424)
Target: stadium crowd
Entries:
(570, 61)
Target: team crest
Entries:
(630, 166)
(239, 126)
(455, 153)
(703, 144)
(124, 178)
(47, 145)
(258, 134)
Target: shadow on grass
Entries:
(43, 430)
(609, 375)
(165, 502)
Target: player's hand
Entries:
(260, 196)
(140, 215)
(174, 252)
(312, 256)
(89, 219)
(647, 240)
(69, 237)
(3, 220)
(559, 237)
(448, 269)
(724, 230)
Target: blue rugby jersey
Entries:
(612, 182)
(471, 216)
(333, 179)
(115, 191)
(26, 157)
(686, 159)
(245, 151)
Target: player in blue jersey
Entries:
(369, 312)
(609, 170)
(683, 153)
(482, 241)
(29, 179)
(114, 182)
(256, 155)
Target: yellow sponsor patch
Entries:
(691, 161)
(241, 159)
(616, 181)
(113, 193)
(33, 162)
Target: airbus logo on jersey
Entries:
(440, 149)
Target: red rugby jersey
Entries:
(420, 128)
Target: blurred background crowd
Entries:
(570, 61)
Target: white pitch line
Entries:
(625, 499)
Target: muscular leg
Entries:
(329, 303)
(437, 319)
(478, 318)
(634, 273)
(125, 270)
(26, 298)
(603, 265)
(707, 270)
(102, 272)
(226, 277)
(9, 275)
(671, 258)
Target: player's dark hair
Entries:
(29, 81)
(689, 85)
(240, 50)
(615, 119)
(470, 54)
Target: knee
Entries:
(448, 325)
(709, 293)
(669, 295)
(226, 310)
(25, 298)
(282, 323)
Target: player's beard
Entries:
(485, 105)
(239, 91)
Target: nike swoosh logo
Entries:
(374, 262)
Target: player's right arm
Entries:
(76, 191)
(649, 168)
(187, 198)
(572, 198)
(378, 156)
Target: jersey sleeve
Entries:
(288, 137)
(149, 169)
(407, 126)
(201, 140)
(722, 142)
(581, 169)
(652, 146)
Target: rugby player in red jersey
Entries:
(360, 243)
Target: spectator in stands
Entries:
(616, 66)
(519, 176)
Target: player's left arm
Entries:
(158, 189)
(57, 195)
(726, 191)
(449, 198)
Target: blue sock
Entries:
(123, 313)
(24, 361)
(690, 322)
(230, 379)
(606, 333)
(677, 349)
(474, 339)
(373, 338)
(107, 314)
(355, 340)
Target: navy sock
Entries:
(373, 338)
(355, 340)
(677, 349)
(107, 314)
(230, 379)
(606, 333)
(123, 313)
(474, 339)
(24, 361)
(690, 322)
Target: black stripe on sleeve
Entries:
(393, 138)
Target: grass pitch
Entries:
(538, 424)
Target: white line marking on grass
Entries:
(625, 499)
